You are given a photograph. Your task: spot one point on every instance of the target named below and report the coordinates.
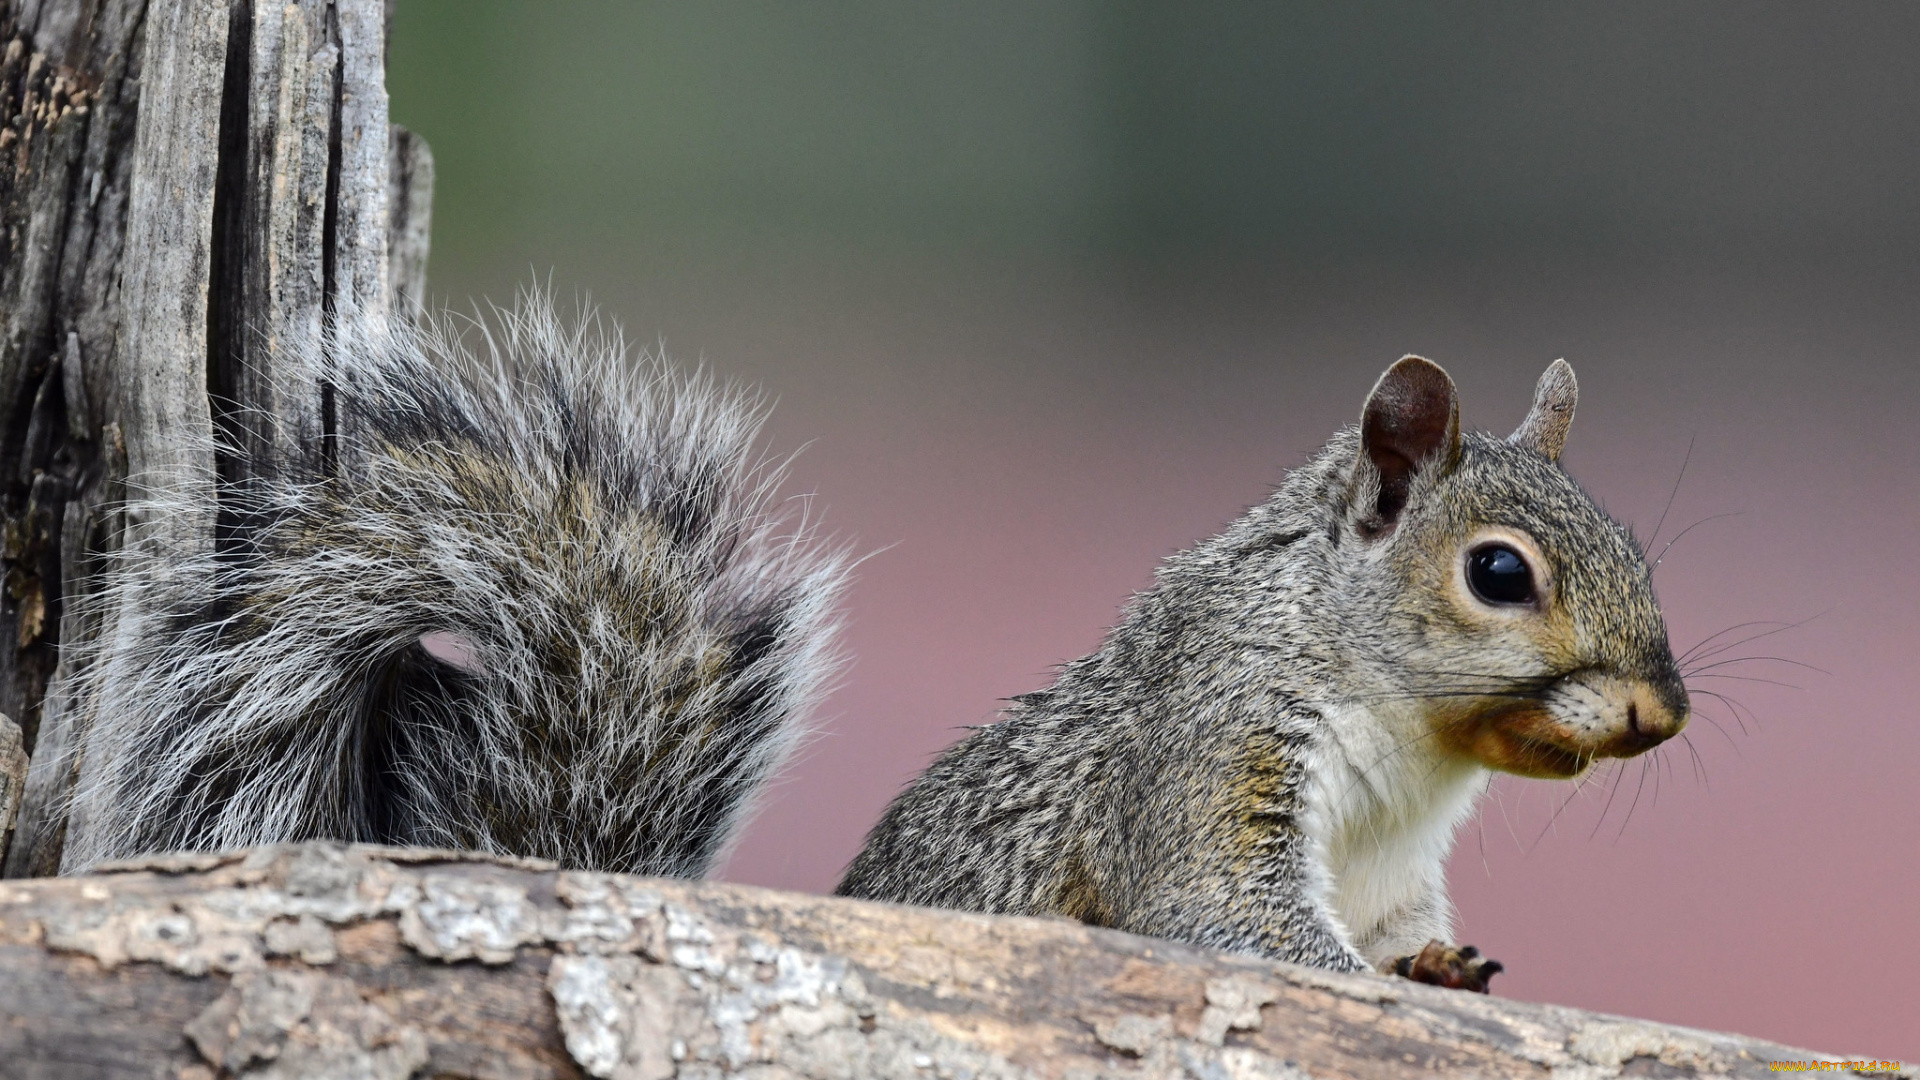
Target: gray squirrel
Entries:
(551, 609)
(1272, 750)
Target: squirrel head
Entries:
(1522, 617)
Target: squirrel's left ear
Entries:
(1545, 428)
(1412, 417)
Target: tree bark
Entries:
(192, 188)
(331, 960)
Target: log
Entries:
(188, 190)
(324, 959)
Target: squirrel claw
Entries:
(1454, 967)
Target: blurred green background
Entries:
(1049, 290)
(1151, 128)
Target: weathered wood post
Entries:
(191, 188)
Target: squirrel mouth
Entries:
(1523, 739)
(1560, 735)
(1532, 757)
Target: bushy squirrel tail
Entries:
(545, 604)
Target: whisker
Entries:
(1671, 495)
(1747, 678)
(1758, 659)
(1740, 712)
(1699, 766)
(1499, 798)
(1554, 817)
(1717, 726)
(1612, 791)
(1776, 625)
(1685, 531)
(1480, 823)
(1638, 788)
(1430, 695)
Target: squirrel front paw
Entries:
(1451, 966)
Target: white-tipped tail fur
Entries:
(544, 604)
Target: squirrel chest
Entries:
(1382, 811)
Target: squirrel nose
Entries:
(1653, 717)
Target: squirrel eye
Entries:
(1499, 575)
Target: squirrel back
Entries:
(544, 605)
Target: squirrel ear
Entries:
(1545, 428)
(1412, 415)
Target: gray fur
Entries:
(622, 632)
(1251, 759)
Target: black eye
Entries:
(1498, 575)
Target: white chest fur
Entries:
(1385, 807)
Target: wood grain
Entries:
(410, 207)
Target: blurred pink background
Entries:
(1716, 227)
